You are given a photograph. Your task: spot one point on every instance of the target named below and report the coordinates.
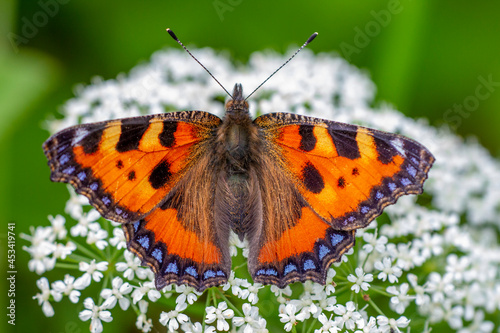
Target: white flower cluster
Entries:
(436, 262)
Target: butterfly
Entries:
(296, 187)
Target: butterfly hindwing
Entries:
(126, 167)
(180, 240)
(337, 178)
(303, 252)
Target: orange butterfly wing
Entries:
(343, 177)
(138, 170)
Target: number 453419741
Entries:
(11, 245)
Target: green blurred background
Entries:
(426, 58)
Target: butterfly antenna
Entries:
(310, 39)
(171, 33)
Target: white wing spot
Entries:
(79, 135)
(398, 144)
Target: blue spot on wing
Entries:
(336, 238)
(106, 200)
(82, 176)
(309, 264)
(271, 271)
(221, 273)
(144, 241)
(158, 255)
(392, 186)
(405, 181)
(64, 159)
(208, 274)
(172, 268)
(136, 225)
(94, 186)
(69, 170)
(323, 251)
(411, 170)
(290, 268)
(192, 271)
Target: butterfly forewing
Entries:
(346, 173)
(126, 167)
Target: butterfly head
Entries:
(237, 103)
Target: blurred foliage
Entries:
(426, 57)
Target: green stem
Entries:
(372, 303)
(230, 304)
(88, 252)
(67, 266)
(312, 326)
(207, 303)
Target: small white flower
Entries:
(132, 267)
(401, 300)
(281, 293)
(75, 203)
(236, 285)
(62, 251)
(93, 270)
(96, 235)
(478, 325)
(372, 242)
(290, 318)
(173, 319)
(368, 327)
(457, 267)
(429, 245)
(118, 239)
(44, 297)
(439, 286)
(328, 325)
(391, 325)
(69, 287)
(118, 293)
(146, 288)
(348, 315)
(235, 243)
(360, 280)
(187, 293)
(221, 314)
(42, 245)
(251, 319)
(251, 293)
(190, 327)
(58, 227)
(96, 314)
(388, 270)
(422, 298)
(143, 323)
(84, 221)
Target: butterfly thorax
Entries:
(237, 145)
(237, 134)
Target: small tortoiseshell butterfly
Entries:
(296, 187)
